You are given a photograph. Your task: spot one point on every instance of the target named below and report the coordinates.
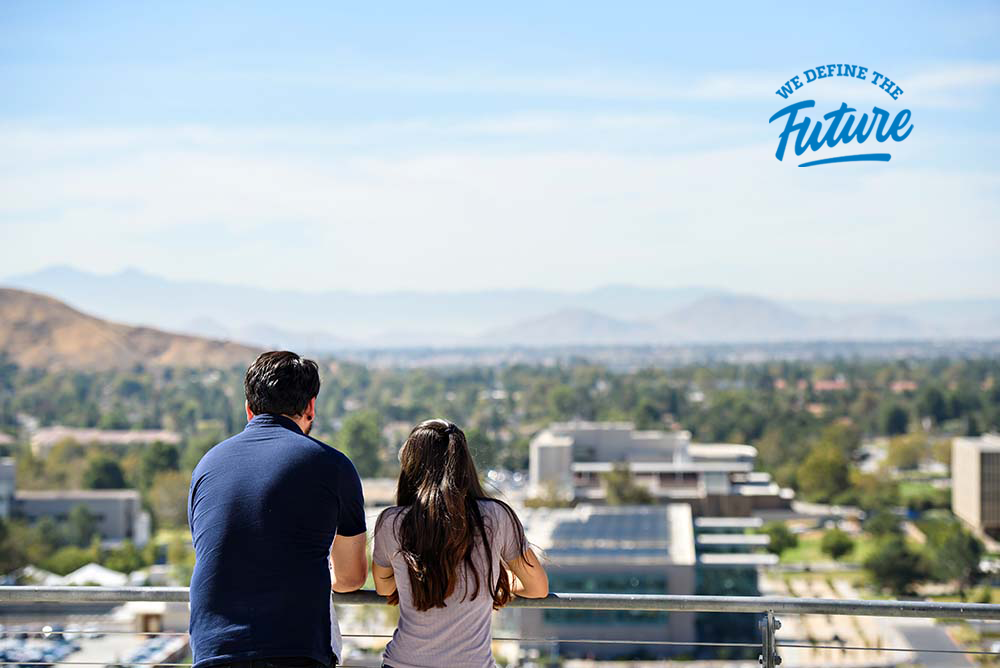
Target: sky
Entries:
(438, 147)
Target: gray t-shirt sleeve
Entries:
(384, 543)
(508, 530)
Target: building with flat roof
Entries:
(637, 550)
(46, 438)
(569, 459)
(612, 550)
(7, 486)
(119, 512)
(975, 486)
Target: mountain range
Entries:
(328, 321)
(42, 332)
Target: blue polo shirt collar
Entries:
(273, 420)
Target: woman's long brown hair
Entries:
(440, 488)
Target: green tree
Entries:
(647, 415)
(562, 402)
(907, 451)
(81, 527)
(68, 559)
(180, 556)
(124, 559)
(360, 438)
(781, 537)
(116, 418)
(954, 554)
(932, 403)
(156, 458)
(894, 566)
(883, 523)
(621, 489)
(872, 492)
(485, 451)
(836, 543)
(845, 437)
(941, 451)
(198, 444)
(894, 419)
(515, 457)
(824, 474)
(168, 498)
(103, 472)
(50, 534)
(12, 553)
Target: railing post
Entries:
(769, 657)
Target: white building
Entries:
(975, 486)
(568, 459)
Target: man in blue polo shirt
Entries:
(277, 519)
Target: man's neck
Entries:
(304, 424)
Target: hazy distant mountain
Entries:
(384, 319)
(715, 319)
(725, 318)
(570, 327)
(331, 321)
(39, 331)
(874, 326)
(268, 336)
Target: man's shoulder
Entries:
(330, 453)
(216, 451)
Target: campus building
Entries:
(7, 486)
(975, 482)
(633, 550)
(612, 550)
(46, 438)
(568, 459)
(119, 512)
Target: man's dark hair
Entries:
(281, 382)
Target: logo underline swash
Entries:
(864, 157)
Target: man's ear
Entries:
(311, 410)
(249, 412)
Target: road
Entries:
(925, 636)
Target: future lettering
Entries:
(842, 126)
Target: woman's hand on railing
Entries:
(527, 576)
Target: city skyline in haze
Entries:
(559, 148)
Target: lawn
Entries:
(808, 550)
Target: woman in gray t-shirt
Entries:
(448, 554)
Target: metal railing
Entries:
(769, 607)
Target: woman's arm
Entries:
(529, 578)
(385, 579)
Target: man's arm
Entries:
(350, 566)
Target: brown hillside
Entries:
(38, 331)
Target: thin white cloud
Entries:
(228, 209)
(943, 85)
